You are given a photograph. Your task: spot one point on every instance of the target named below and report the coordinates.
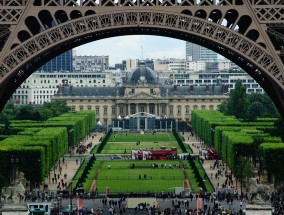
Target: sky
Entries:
(129, 47)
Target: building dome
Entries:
(142, 75)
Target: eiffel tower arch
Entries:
(248, 32)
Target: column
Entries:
(156, 109)
(136, 107)
(138, 124)
(117, 110)
(147, 111)
(128, 110)
(146, 124)
(166, 110)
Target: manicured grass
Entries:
(146, 137)
(123, 143)
(125, 148)
(143, 186)
(208, 185)
(121, 178)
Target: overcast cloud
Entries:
(129, 47)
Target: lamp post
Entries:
(259, 159)
(235, 166)
(14, 161)
(212, 136)
(38, 167)
(71, 197)
(69, 140)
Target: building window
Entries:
(195, 107)
(142, 109)
(171, 109)
(163, 110)
(133, 91)
(73, 108)
(187, 109)
(89, 107)
(97, 110)
(203, 107)
(132, 110)
(105, 110)
(151, 91)
(81, 108)
(121, 110)
(211, 107)
(113, 110)
(179, 110)
(152, 109)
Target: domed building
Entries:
(142, 102)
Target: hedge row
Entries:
(233, 139)
(104, 141)
(39, 145)
(37, 150)
(179, 140)
(78, 124)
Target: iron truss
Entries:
(247, 32)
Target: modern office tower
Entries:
(90, 63)
(61, 63)
(198, 53)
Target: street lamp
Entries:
(259, 159)
(38, 177)
(14, 161)
(69, 141)
(71, 197)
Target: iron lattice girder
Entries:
(193, 25)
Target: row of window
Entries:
(152, 109)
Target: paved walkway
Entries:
(71, 163)
(208, 164)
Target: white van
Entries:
(116, 129)
(46, 206)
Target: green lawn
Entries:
(121, 178)
(146, 137)
(125, 148)
(122, 143)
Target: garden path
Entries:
(196, 144)
(71, 164)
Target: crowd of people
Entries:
(277, 201)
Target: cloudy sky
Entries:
(129, 47)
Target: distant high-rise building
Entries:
(198, 53)
(61, 63)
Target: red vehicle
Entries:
(211, 154)
(154, 154)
